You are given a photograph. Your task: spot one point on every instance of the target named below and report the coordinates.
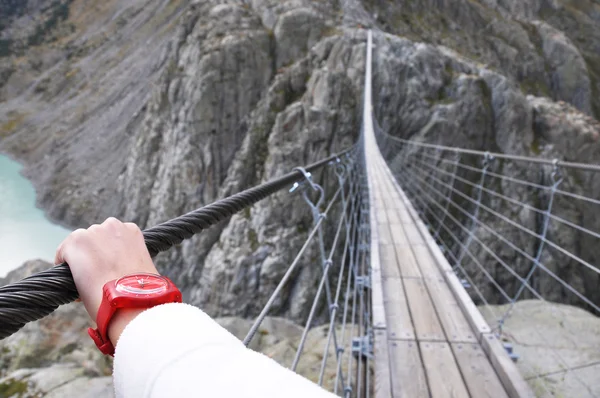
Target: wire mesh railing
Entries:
(343, 259)
(523, 236)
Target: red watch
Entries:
(131, 291)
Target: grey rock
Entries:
(558, 346)
(84, 387)
(568, 70)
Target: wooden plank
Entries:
(391, 202)
(385, 238)
(393, 216)
(481, 379)
(413, 234)
(427, 265)
(509, 375)
(383, 386)
(471, 312)
(399, 324)
(404, 216)
(453, 320)
(398, 236)
(442, 371)
(427, 325)
(407, 263)
(389, 264)
(381, 216)
(408, 375)
(377, 303)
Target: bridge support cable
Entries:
(327, 263)
(443, 182)
(350, 283)
(512, 245)
(346, 254)
(346, 172)
(40, 294)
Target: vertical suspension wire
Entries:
(556, 180)
(411, 184)
(326, 265)
(557, 355)
(349, 173)
(363, 275)
(288, 273)
(486, 163)
(349, 284)
(359, 255)
(448, 196)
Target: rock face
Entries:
(558, 347)
(149, 108)
(53, 357)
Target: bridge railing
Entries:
(523, 235)
(343, 287)
(343, 293)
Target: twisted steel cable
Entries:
(38, 295)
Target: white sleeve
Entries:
(176, 350)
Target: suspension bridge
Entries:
(404, 256)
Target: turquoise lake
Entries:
(25, 232)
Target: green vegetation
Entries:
(13, 387)
(535, 87)
(9, 126)
(536, 146)
(253, 238)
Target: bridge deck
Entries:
(429, 338)
(431, 347)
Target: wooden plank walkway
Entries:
(434, 349)
(430, 339)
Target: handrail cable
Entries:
(519, 203)
(424, 183)
(40, 294)
(328, 264)
(468, 278)
(350, 228)
(515, 180)
(519, 226)
(518, 158)
(486, 273)
(516, 248)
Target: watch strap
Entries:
(103, 343)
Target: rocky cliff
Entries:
(146, 109)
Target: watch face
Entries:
(142, 284)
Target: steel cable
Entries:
(40, 294)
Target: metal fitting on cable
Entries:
(333, 307)
(340, 350)
(556, 175)
(487, 159)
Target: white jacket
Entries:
(176, 350)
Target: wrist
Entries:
(119, 321)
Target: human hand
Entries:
(103, 253)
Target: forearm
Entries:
(177, 350)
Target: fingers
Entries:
(60, 256)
